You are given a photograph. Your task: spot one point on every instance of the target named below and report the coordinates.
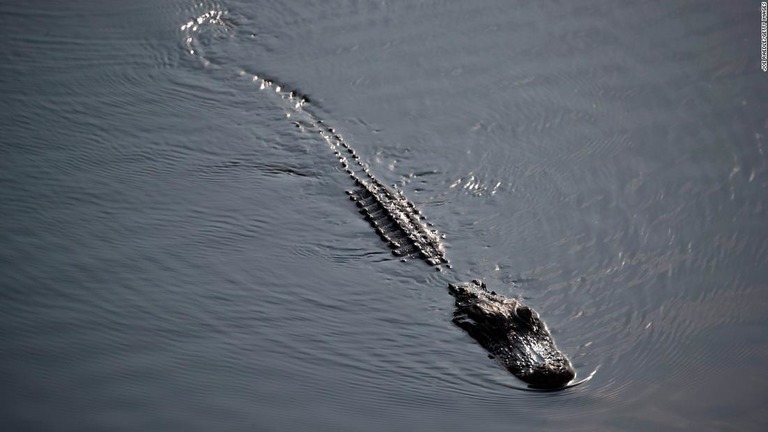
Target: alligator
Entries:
(509, 330)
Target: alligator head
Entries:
(513, 333)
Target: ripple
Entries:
(173, 232)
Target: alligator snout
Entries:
(549, 376)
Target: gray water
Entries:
(176, 255)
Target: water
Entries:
(177, 255)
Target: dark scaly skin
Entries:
(397, 222)
(513, 333)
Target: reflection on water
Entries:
(177, 254)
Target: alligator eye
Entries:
(524, 312)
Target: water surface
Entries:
(176, 255)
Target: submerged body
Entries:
(509, 330)
(512, 332)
